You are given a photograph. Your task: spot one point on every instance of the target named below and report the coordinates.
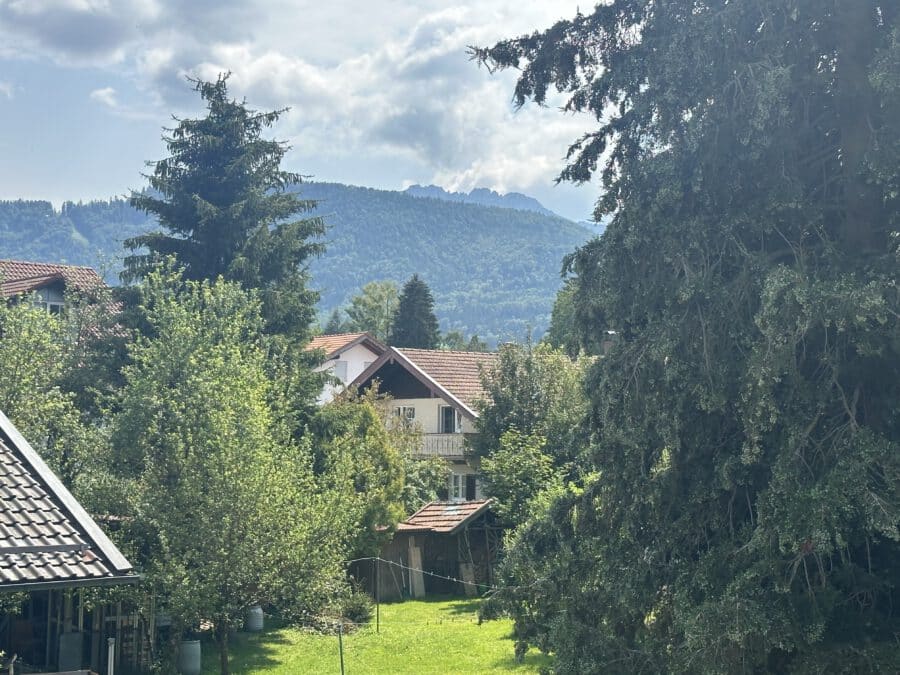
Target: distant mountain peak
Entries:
(482, 196)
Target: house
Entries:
(443, 548)
(346, 356)
(48, 281)
(51, 550)
(436, 391)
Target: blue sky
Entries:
(382, 93)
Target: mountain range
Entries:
(493, 270)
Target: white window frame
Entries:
(405, 414)
(457, 487)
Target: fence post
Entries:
(377, 608)
(110, 656)
(341, 644)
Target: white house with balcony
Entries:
(347, 355)
(436, 391)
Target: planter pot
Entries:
(253, 620)
(189, 662)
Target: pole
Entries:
(377, 608)
(341, 644)
(111, 656)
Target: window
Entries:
(457, 487)
(340, 370)
(405, 414)
(449, 421)
(463, 487)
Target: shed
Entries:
(443, 548)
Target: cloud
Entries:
(382, 80)
(106, 96)
(88, 31)
(6, 89)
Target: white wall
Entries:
(428, 414)
(357, 358)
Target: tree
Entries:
(538, 392)
(223, 506)
(562, 332)
(224, 205)
(741, 507)
(456, 341)
(415, 324)
(36, 350)
(373, 309)
(335, 323)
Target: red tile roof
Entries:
(457, 372)
(22, 276)
(334, 343)
(444, 517)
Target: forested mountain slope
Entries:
(493, 271)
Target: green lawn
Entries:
(433, 636)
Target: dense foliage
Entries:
(744, 512)
(223, 507)
(531, 423)
(221, 198)
(372, 310)
(415, 324)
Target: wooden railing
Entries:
(443, 445)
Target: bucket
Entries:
(253, 621)
(189, 657)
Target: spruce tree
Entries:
(415, 324)
(225, 210)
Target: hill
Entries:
(483, 196)
(493, 271)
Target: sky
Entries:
(381, 93)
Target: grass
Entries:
(438, 635)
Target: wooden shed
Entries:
(443, 548)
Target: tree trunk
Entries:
(222, 641)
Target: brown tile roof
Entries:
(45, 536)
(334, 343)
(22, 276)
(457, 372)
(444, 517)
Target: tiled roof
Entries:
(334, 343)
(21, 276)
(444, 517)
(45, 536)
(457, 372)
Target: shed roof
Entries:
(444, 517)
(23, 276)
(334, 344)
(46, 537)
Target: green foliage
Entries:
(538, 391)
(515, 473)
(743, 511)
(414, 323)
(36, 351)
(226, 510)
(454, 340)
(355, 453)
(562, 332)
(372, 310)
(221, 198)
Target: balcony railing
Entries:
(443, 445)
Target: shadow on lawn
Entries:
(248, 651)
(461, 604)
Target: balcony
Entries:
(443, 445)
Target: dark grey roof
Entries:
(46, 537)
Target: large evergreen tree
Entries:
(743, 510)
(415, 324)
(221, 198)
